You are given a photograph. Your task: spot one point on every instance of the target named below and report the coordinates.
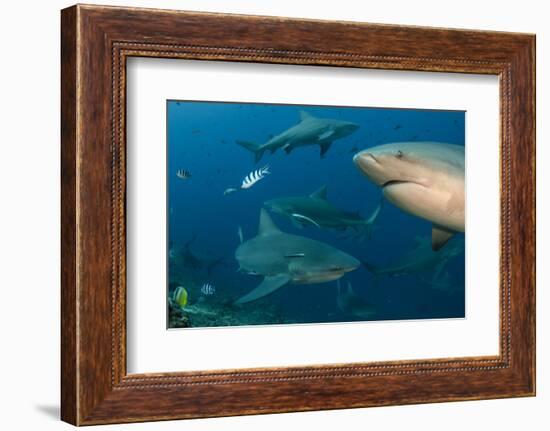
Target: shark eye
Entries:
(399, 154)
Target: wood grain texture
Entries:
(96, 42)
(69, 397)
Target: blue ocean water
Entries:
(203, 223)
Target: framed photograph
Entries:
(318, 215)
(293, 233)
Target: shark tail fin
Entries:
(369, 224)
(258, 150)
(375, 213)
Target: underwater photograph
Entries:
(301, 214)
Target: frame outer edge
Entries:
(532, 80)
(523, 216)
(87, 396)
(529, 63)
(69, 202)
(533, 54)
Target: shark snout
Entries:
(370, 166)
(364, 159)
(347, 263)
(353, 265)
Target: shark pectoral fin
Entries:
(440, 237)
(325, 147)
(258, 155)
(269, 285)
(288, 148)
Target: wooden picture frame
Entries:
(96, 41)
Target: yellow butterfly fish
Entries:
(180, 296)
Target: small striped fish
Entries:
(208, 289)
(182, 174)
(255, 176)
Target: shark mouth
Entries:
(398, 182)
(321, 277)
(394, 183)
(329, 274)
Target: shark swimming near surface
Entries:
(282, 259)
(421, 258)
(309, 131)
(316, 210)
(425, 179)
(350, 303)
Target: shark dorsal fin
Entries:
(305, 116)
(320, 193)
(266, 224)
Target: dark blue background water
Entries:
(201, 140)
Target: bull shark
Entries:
(425, 179)
(421, 258)
(350, 303)
(284, 259)
(309, 131)
(316, 210)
